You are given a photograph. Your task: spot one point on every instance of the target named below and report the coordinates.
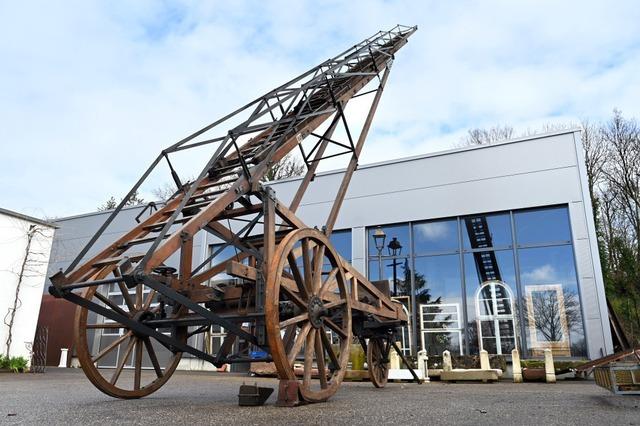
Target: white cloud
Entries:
(92, 91)
(543, 274)
(434, 231)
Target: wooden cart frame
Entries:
(294, 291)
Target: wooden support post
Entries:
(268, 250)
(186, 256)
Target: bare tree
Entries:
(595, 152)
(111, 203)
(164, 192)
(289, 166)
(487, 136)
(32, 261)
(623, 169)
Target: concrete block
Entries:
(472, 374)
(515, 365)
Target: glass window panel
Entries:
(341, 241)
(401, 232)
(551, 304)
(476, 271)
(481, 231)
(480, 267)
(540, 226)
(438, 280)
(438, 286)
(435, 236)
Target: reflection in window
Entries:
(436, 236)
(401, 232)
(438, 293)
(548, 225)
(403, 274)
(551, 305)
(496, 321)
(476, 273)
(483, 231)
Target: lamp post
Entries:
(378, 237)
(395, 249)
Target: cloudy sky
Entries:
(90, 92)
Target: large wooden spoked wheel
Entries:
(378, 361)
(119, 362)
(308, 314)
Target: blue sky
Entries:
(92, 91)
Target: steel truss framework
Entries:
(295, 296)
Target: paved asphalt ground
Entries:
(66, 397)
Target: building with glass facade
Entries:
(498, 245)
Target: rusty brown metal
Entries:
(294, 302)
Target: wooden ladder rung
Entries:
(134, 257)
(140, 241)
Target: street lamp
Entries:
(378, 237)
(395, 249)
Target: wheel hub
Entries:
(316, 311)
(142, 316)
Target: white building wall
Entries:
(13, 246)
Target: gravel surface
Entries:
(65, 396)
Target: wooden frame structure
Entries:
(294, 291)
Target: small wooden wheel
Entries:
(378, 361)
(119, 362)
(308, 314)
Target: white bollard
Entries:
(446, 361)
(394, 360)
(423, 365)
(484, 360)
(515, 364)
(549, 368)
(63, 358)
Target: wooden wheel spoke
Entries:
(335, 328)
(306, 263)
(126, 296)
(335, 303)
(294, 296)
(111, 347)
(138, 365)
(111, 325)
(297, 276)
(148, 300)
(322, 372)
(299, 342)
(139, 296)
(295, 320)
(123, 360)
(318, 257)
(112, 305)
(153, 357)
(330, 283)
(327, 347)
(308, 357)
(289, 337)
